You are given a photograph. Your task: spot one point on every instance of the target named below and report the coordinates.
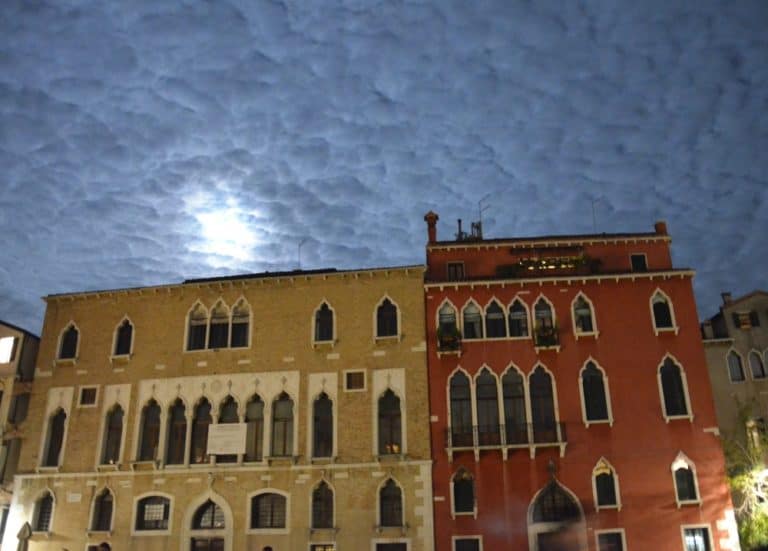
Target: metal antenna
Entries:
(481, 209)
(299, 250)
(594, 218)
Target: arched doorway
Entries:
(556, 520)
(207, 524)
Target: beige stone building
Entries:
(279, 412)
(736, 346)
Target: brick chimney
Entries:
(727, 298)
(431, 219)
(660, 227)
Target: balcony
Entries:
(546, 337)
(529, 436)
(551, 261)
(448, 340)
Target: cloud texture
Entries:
(143, 142)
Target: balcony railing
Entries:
(509, 435)
(546, 337)
(448, 339)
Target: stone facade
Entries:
(281, 358)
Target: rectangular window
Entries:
(696, 539)
(455, 271)
(466, 544)
(391, 547)
(7, 349)
(354, 380)
(754, 320)
(87, 396)
(639, 262)
(610, 541)
(322, 547)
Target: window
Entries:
(455, 271)
(518, 320)
(199, 443)
(604, 479)
(594, 394)
(473, 322)
(123, 339)
(466, 544)
(322, 506)
(662, 312)
(254, 419)
(639, 262)
(756, 365)
(673, 390)
(218, 335)
(103, 546)
(354, 380)
(463, 497)
(735, 368)
(177, 434)
(448, 335)
(697, 539)
(268, 511)
(545, 332)
(322, 426)
(610, 541)
(554, 504)
(324, 324)
(209, 516)
(390, 504)
(241, 321)
(754, 319)
(152, 513)
(515, 416)
(495, 324)
(582, 316)
(685, 481)
(390, 437)
(461, 410)
(68, 346)
(282, 426)
(487, 397)
(391, 547)
(54, 439)
(197, 328)
(43, 514)
(113, 435)
(542, 406)
(386, 319)
(8, 349)
(101, 519)
(150, 431)
(228, 415)
(321, 547)
(87, 396)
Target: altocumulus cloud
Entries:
(144, 142)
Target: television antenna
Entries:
(298, 254)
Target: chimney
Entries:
(431, 219)
(660, 227)
(727, 298)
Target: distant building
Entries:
(18, 353)
(569, 399)
(281, 412)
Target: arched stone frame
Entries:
(499, 404)
(249, 510)
(264, 420)
(334, 326)
(220, 304)
(59, 398)
(684, 381)
(682, 461)
(606, 387)
(190, 414)
(529, 321)
(455, 513)
(115, 335)
(187, 533)
(59, 342)
(35, 510)
(555, 406)
(134, 512)
(187, 321)
(378, 501)
(381, 381)
(472, 302)
(656, 330)
(456, 312)
(113, 395)
(323, 478)
(268, 407)
(601, 466)
(241, 301)
(736, 353)
(216, 420)
(543, 297)
(92, 509)
(138, 431)
(166, 428)
(595, 331)
(399, 335)
(472, 408)
(504, 313)
(317, 384)
(536, 528)
(526, 406)
(754, 353)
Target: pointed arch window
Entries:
(594, 394)
(735, 367)
(268, 510)
(386, 319)
(545, 333)
(461, 411)
(463, 496)
(390, 431)
(69, 340)
(254, 419)
(209, 516)
(123, 339)
(241, 325)
(518, 319)
(43, 513)
(662, 312)
(605, 486)
(197, 329)
(447, 330)
(113, 435)
(200, 423)
(756, 365)
(543, 406)
(101, 519)
(472, 322)
(152, 513)
(554, 504)
(322, 506)
(495, 321)
(282, 426)
(322, 426)
(515, 416)
(390, 504)
(177, 434)
(487, 398)
(686, 487)
(218, 336)
(583, 320)
(55, 439)
(228, 415)
(150, 431)
(675, 400)
(324, 323)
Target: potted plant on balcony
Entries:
(448, 337)
(546, 335)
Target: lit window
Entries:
(697, 539)
(7, 349)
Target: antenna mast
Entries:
(298, 255)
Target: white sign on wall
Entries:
(227, 438)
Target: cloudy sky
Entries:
(145, 142)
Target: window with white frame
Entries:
(735, 367)
(386, 319)
(101, 516)
(390, 504)
(324, 324)
(697, 538)
(460, 398)
(197, 327)
(354, 380)
(123, 338)
(149, 431)
(610, 540)
(43, 513)
(463, 493)
(605, 486)
(87, 396)
(218, 332)
(390, 424)
(241, 324)
(228, 414)
(542, 399)
(594, 394)
(152, 513)
(322, 426)
(177, 433)
(487, 401)
(54, 440)
(198, 445)
(466, 544)
(495, 321)
(684, 477)
(282, 426)
(322, 506)
(673, 388)
(472, 322)
(69, 342)
(662, 312)
(518, 319)
(268, 511)
(515, 414)
(756, 365)
(113, 436)
(583, 317)
(254, 420)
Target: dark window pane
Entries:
(55, 438)
(123, 340)
(389, 424)
(196, 331)
(662, 315)
(200, 424)
(672, 387)
(582, 314)
(254, 418)
(282, 426)
(487, 409)
(43, 514)
(87, 396)
(686, 487)
(639, 263)
(208, 517)
(386, 319)
(495, 325)
(542, 407)
(735, 369)
(610, 541)
(455, 271)
(467, 544)
(322, 429)
(228, 414)
(177, 434)
(754, 319)
(102, 512)
(324, 324)
(593, 387)
(322, 506)
(219, 330)
(150, 431)
(515, 419)
(756, 365)
(606, 489)
(473, 322)
(355, 380)
(554, 504)
(391, 504)
(68, 348)
(268, 511)
(463, 492)
(697, 539)
(518, 320)
(461, 411)
(113, 436)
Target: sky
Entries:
(145, 142)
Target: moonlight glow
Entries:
(226, 232)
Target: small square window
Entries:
(610, 541)
(466, 544)
(354, 380)
(322, 547)
(88, 396)
(455, 271)
(639, 262)
(697, 539)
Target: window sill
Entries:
(616, 507)
(36, 534)
(472, 514)
(144, 465)
(120, 358)
(325, 344)
(102, 533)
(668, 418)
(689, 503)
(391, 457)
(391, 529)
(106, 467)
(441, 353)
(659, 330)
(538, 349)
(321, 532)
(267, 531)
(323, 460)
(591, 334)
(282, 459)
(147, 533)
(48, 469)
(387, 338)
(608, 422)
(61, 362)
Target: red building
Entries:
(570, 402)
